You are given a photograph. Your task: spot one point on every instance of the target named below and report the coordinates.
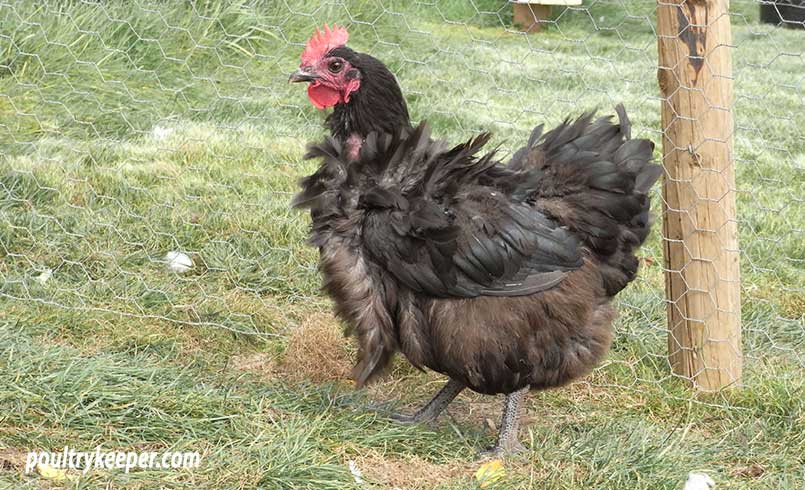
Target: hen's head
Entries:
(330, 68)
(364, 93)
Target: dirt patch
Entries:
(318, 351)
(12, 459)
(753, 470)
(409, 472)
(415, 473)
(261, 363)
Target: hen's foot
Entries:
(501, 452)
(433, 408)
(406, 419)
(508, 443)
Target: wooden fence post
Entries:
(702, 278)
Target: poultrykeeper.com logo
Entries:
(70, 459)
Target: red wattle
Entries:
(352, 86)
(322, 96)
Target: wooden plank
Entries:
(699, 218)
(528, 16)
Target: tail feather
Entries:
(595, 180)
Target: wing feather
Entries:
(444, 222)
(464, 236)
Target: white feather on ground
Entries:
(699, 481)
(356, 472)
(160, 133)
(44, 276)
(178, 262)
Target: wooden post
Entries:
(702, 279)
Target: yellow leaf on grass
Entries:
(51, 473)
(490, 473)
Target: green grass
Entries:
(131, 129)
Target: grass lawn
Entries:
(131, 129)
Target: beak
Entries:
(302, 75)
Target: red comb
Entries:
(323, 41)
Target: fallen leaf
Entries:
(50, 473)
(489, 473)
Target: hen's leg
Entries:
(508, 442)
(434, 407)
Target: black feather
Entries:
(416, 219)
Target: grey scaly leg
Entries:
(508, 442)
(434, 407)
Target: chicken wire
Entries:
(164, 197)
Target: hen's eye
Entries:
(335, 66)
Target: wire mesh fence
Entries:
(149, 151)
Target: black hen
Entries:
(498, 276)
